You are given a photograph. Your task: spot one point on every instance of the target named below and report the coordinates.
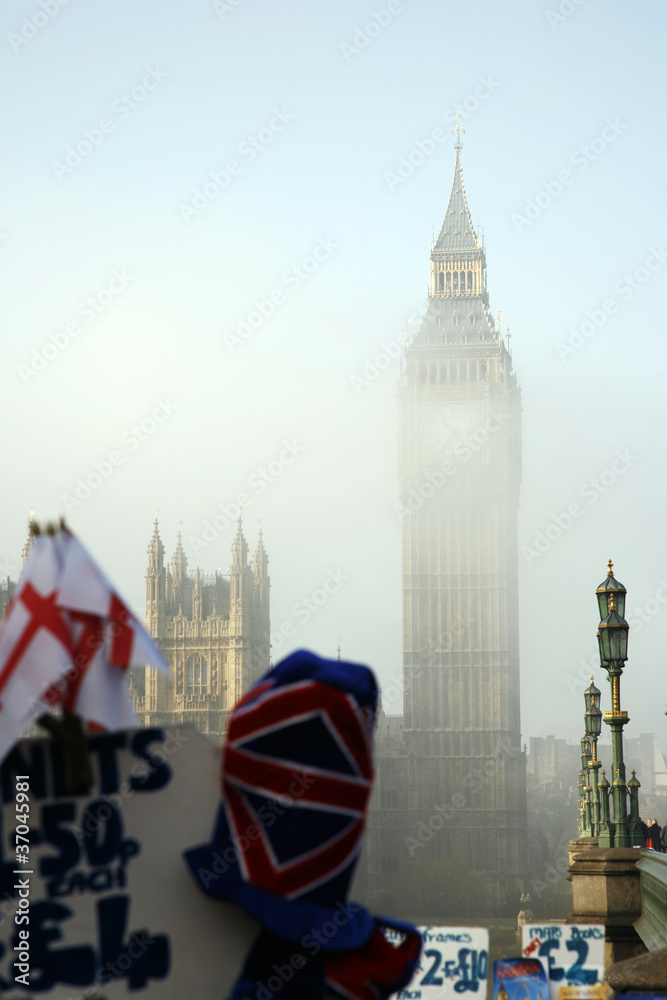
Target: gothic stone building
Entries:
(213, 631)
(451, 773)
(7, 588)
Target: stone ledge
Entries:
(639, 974)
(609, 855)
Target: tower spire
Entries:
(260, 559)
(155, 582)
(239, 547)
(179, 562)
(458, 261)
(458, 231)
(155, 548)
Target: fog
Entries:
(214, 221)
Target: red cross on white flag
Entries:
(35, 642)
(68, 639)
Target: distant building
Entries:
(214, 632)
(7, 588)
(551, 759)
(642, 755)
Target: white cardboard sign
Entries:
(454, 960)
(572, 954)
(105, 901)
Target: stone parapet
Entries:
(578, 846)
(642, 974)
(652, 927)
(606, 890)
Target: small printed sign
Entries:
(519, 979)
(573, 955)
(454, 960)
(596, 992)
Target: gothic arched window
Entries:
(197, 675)
(449, 282)
(456, 281)
(441, 281)
(470, 281)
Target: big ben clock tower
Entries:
(459, 459)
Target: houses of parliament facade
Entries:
(213, 631)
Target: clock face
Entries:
(449, 425)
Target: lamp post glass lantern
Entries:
(593, 722)
(613, 638)
(586, 750)
(593, 716)
(613, 645)
(608, 587)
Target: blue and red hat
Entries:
(297, 774)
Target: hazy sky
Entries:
(129, 272)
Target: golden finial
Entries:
(592, 678)
(634, 773)
(611, 566)
(602, 772)
(458, 128)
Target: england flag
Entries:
(68, 639)
(36, 643)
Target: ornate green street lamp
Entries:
(593, 721)
(605, 836)
(635, 824)
(586, 755)
(613, 643)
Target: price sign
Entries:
(572, 954)
(454, 961)
(96, 900)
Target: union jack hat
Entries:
(297, 773)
